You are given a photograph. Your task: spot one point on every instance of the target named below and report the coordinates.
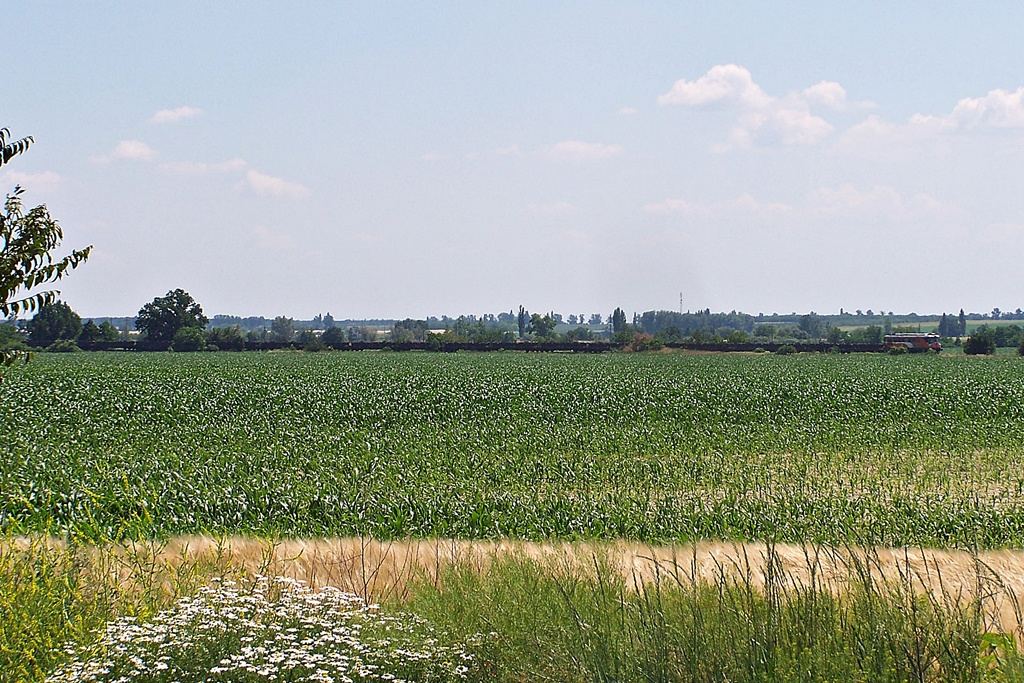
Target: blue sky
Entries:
(414, 159)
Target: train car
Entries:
(915, 342)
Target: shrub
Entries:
(645, 342)
(898, 351)
(785, 349)
(333, 337)
(980, 343)
(226, 338)
(1020, 349)
(63, 346)
(314, 345)
(189, 339)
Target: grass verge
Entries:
(505, 612)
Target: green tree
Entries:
(618, 320)
(90, 332)
(26, 243)
(282, 329)
(161, 319)
(961, 321)
(333, 336)
(228, 338)
(54, 321)
(980, 343)
(10, 338)
(814, 325)
(522, 319)
(109, 332)
(542, 326)
(188, 339)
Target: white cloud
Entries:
(175, 115)
(199, 168)
(998, 109)
(578, 150)
(722, 83)
(827, 93)
(799, 127)
(275, 187)
(46, 180)
(265, 239)
(760, 117)
(132, 150)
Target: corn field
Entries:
(859, 449)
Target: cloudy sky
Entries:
(386, 159)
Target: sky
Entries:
(392, 160)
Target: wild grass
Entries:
(507, 611)
(570, 623)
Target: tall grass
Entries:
(567, 622)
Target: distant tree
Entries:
(618, 321)
(837, 335)
(310, 340)
(961, 324)
(522, 319)
(328, 321)
(54, 321)
(228, 338)
(580, 334)
(671, 333)
(188, 338)
(738, 337)
(282, 329)
(542, 326)
(595, 319)
(409, 330)
(109, 332)
(161, 319)
(945, 327)
(333, 337)
(362, 333)
(814, 325)
(980, 343)
(10, 339)
(90, 332)
(872, 334)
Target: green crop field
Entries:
(865, 449)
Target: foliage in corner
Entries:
(27, 239)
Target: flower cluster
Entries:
(266, 630)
